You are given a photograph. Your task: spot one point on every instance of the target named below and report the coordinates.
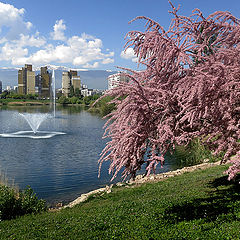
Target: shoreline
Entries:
(140, 179)
(22, 103)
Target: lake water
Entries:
(60, 168)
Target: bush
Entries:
(14, 204)
(8, 203)
(103, 107)
(73, 100)
(194, 153)
(87, 100)
(63, 100)
(29, 203)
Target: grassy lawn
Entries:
(21, 102)
(197, 205)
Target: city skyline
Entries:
(83, 35)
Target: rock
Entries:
(140, 179)
(206, 160)
(108, 189)
(120, 184)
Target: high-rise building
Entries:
(115, 79)
(66, 83)
(26, 80)
(30, 82)
(21, 82)
(38, 84)
(0, 87)
(70, 79)
(73, 73)
(76, 82)
(45, 82)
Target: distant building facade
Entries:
(9, 88)
(86, 92)
(115, 79)
(70, 79)
(66, 84)
(26, 80)
(43, 83)
(0, 87)
(38, 84)
(75, 80)
(15, 89)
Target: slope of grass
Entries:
(197, 205)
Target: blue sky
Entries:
(83, 34)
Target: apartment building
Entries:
(26, 80)
(115, 79)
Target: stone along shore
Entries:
(140, 179)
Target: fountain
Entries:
(54, 93)
(34, 120)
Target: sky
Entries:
(84, 34)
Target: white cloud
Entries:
(10, 52)
(20, 46)
(107, 60)
(96, 43)
(111, 54)
(129, 54)
(78, 51)
(58, 30)
(16, 51)
(12, 18)
(80, 60)
(32, 41)
(94, 65)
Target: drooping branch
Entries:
(190, 88)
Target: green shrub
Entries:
(29, 203)
(79, 101)
(73, 100)
(63, 100)
(8, 203)
(14, 204)
(103, 106)
(194, 153)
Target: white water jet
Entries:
(34, 119)
(54, 93)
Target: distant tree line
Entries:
(12, 95)
(73, 99)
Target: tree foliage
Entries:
(190, 88)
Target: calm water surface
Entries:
(59, 169)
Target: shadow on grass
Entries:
(222, 204)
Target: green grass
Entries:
(197, 205)
(16, 101)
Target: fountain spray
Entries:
(53, 84)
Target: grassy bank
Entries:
(197, 205)
(23, 102)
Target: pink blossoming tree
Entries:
(190, 88)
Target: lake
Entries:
(60, 168)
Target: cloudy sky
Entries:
(83, 34)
